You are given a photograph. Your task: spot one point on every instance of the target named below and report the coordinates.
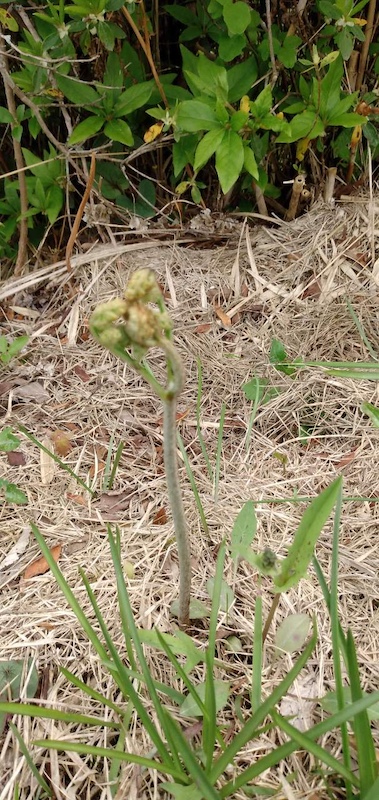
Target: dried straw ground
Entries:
(298, 277)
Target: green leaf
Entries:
(345, 43)
(182, 14)
(330, 90)
(295, 565)
(181, 792)
(241, 78)
(180, 644)
(54, 202)
(230, 47)
(118, 131)
(89, 127)
(207, 147)
(183, 152)
(134, 97)
(348, 120)
(189, 707)
(193, 115)
(8, 441)
(373, 793)
(372, 412)
(306, 124)
(13, 676)
(238, 120)
(292, 633)
(226, 594)
(14, 495)
(229, 159)
(14, 348)
(278, 357)
(250, 163)
(244, 530)
(78, 92)
(5, 116)
(361, 725)
(236, 17)
(198, 610)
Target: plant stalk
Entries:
(176, 502)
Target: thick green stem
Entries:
(176, 502)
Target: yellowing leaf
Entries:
(355, 137)
(245, 104)
(153, 132)
(302, 148)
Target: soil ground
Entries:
(296, 282)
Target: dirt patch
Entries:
(293, 282)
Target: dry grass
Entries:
(297, 278)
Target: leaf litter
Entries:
(292, 283)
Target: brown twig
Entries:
(271, 44)
(80, 212)
(366, 44)
(22, 252)
(145, 44)
(270, 616)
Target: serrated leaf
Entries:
(229, 159)
(118, 131)
(292, 633)
(244, 530)
(295, 565)
(89, 127)
(189, 707)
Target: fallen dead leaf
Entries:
(345, 460)
(5, 387)
(40, 566)
(204, 328)
(61, 441)
(160, 516)
(16, 458)
(17, 550)
(111, 504)
(81, 373)
(95, 468)
(225, 319)
(77, 498)
(33, 391)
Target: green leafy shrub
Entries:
(238, 104)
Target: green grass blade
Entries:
(107, 467)
(327, 599)
(373, 793)
(362, 334)
(248, 731)
(103, 627)
(198, 420)
(209, 721)
(256, 679)
(70, 597)
(285, 750)
(336, 636)
(172, 694)
(194, 769)
(253, 413)
(43, 712)
(194, 488)
(368, 771)
(111, 753)
(88, 690)
(182, 674)
(218, 451)
(132, 632)
(55, 458)
(33, 769)
(116, 462)
(323, 755)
